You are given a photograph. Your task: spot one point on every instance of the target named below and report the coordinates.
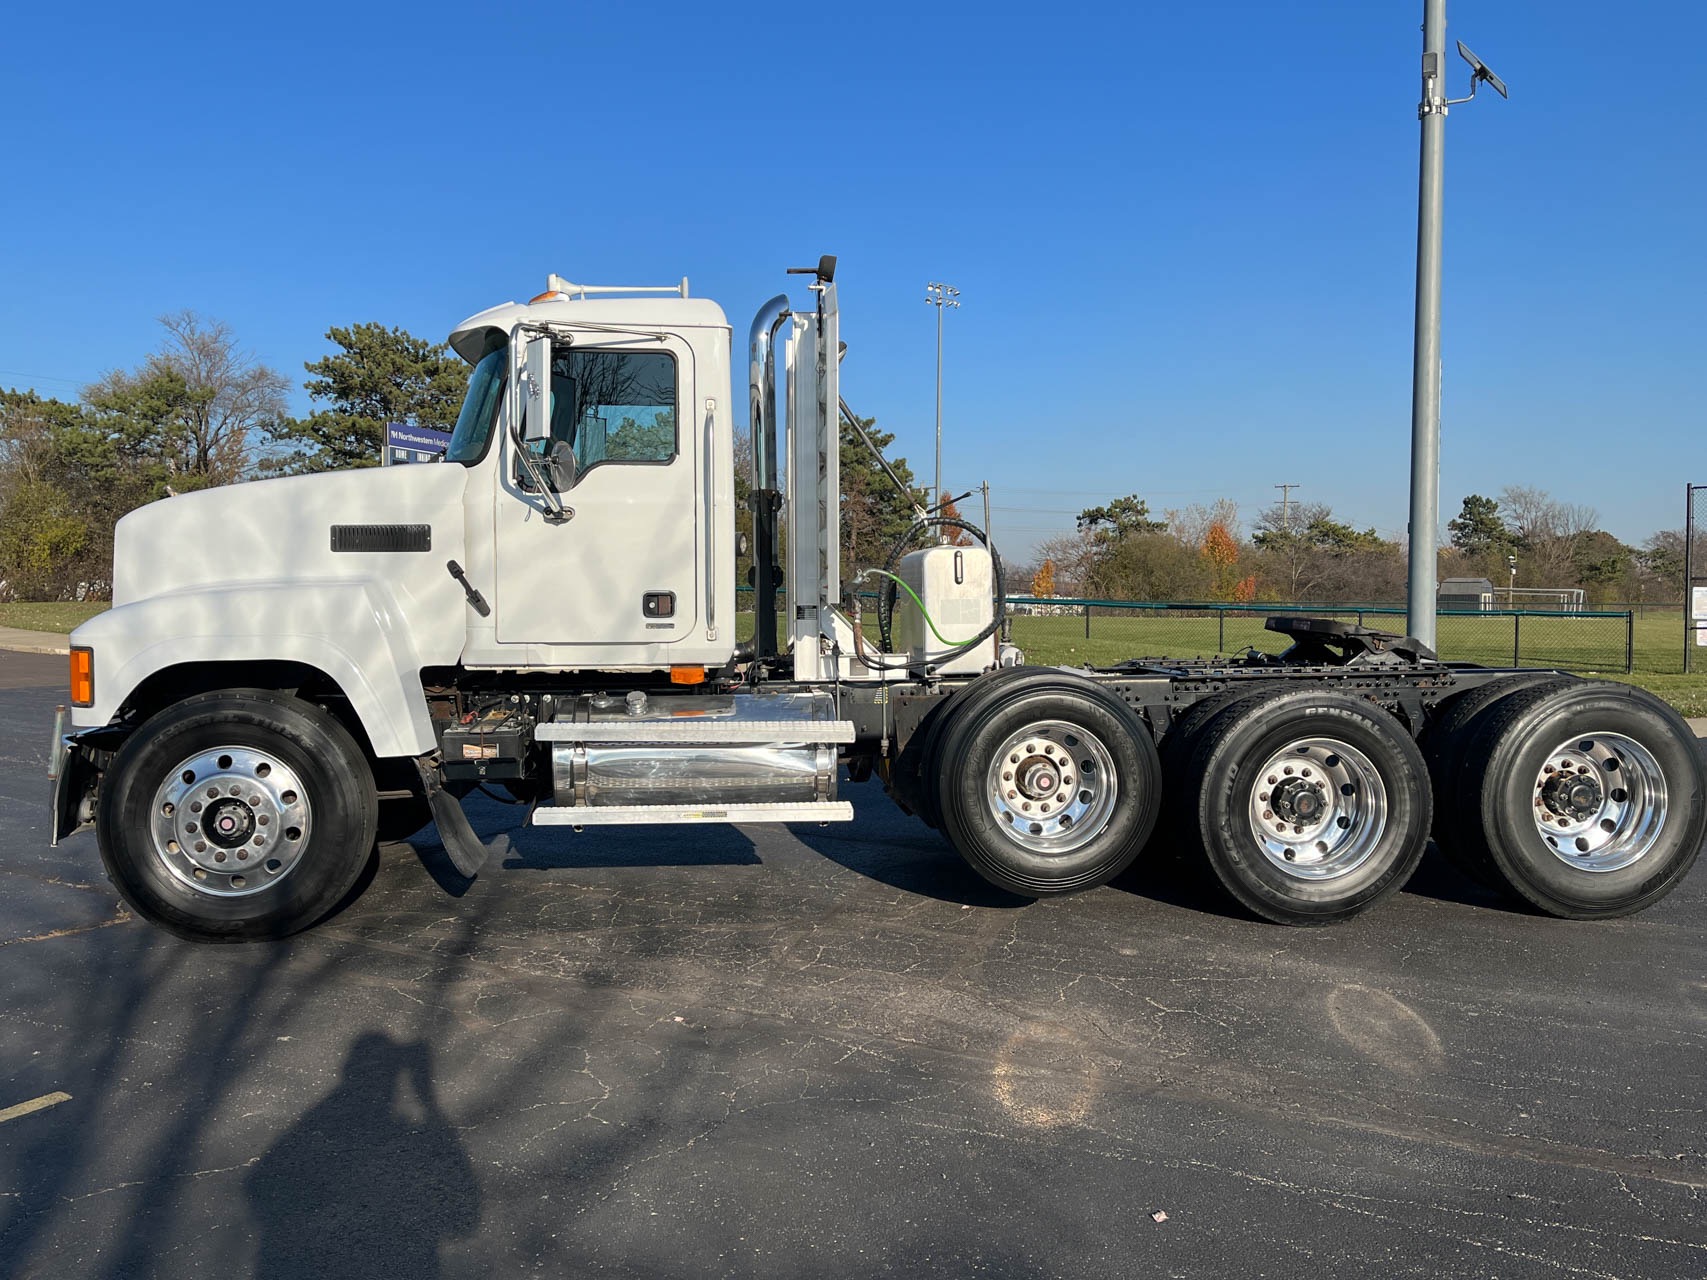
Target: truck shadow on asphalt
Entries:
(381, 1126)
(277, 1106)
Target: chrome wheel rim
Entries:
(1318, 808)
(1052, 787)
(230, 821)
(1600, 801)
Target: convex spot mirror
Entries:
(560, 469)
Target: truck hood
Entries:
(269, 530)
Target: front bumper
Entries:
(75, 765)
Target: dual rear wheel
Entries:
(1584, 799)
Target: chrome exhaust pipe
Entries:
(766, 496)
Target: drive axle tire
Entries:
(1310, 806)
(1047, 784)
(1444, 743)
(1589, 799)
(237, 815)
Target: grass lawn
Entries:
(61, 618)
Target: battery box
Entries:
(491, 744)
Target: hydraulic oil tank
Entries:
(957, 588)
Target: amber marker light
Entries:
(82, 676)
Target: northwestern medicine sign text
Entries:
(405, 442)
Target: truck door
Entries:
(618, 579)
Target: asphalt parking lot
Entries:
(831, 1052)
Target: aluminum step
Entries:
(687, 730)
(636, 814)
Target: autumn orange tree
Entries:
(1221, 552)
(1043, 581)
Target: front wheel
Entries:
(237, 815)
(1050, 786)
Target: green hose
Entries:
(923, 613)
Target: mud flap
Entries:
(467, 854)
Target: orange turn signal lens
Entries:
(82, 676)
(687, 675)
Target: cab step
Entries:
(636, 814)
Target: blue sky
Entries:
(1184, 232)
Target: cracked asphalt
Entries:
(831, 1052)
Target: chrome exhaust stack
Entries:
(766, 498)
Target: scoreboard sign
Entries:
(405, 442)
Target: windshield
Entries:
(479, 410)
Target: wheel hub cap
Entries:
(230, 821)
(1318, 808)
(1600, 801)
(1052, 786)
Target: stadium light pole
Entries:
(940, 296)
(1421, 603)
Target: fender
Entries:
(352, 630)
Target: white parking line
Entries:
(33, 1105)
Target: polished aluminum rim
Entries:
(1600, 801)
(231, 821)
(1318, 808)
(1052, 786)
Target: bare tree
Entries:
(1191, 525)
(1548, 532)
(207, 401)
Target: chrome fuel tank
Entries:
(745, 748)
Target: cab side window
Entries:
(615, 406)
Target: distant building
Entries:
(1465, 595)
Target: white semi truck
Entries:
(296, 668)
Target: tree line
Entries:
(1302, 552)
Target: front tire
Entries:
(1048, 785)
(236, 816)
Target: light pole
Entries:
(1421, 602)
(940, 296)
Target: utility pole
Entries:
(1421, 602)
(940, 296)
(1286, 505)
(986, 488)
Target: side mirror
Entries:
(560, 467)
(536, 389)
